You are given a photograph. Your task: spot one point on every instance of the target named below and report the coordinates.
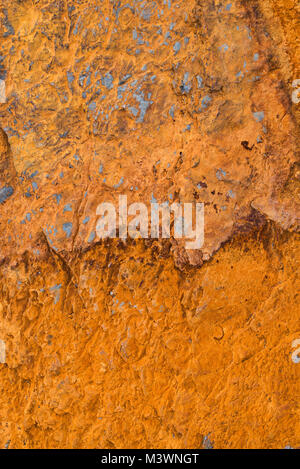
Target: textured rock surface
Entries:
(145, 344)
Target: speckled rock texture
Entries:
(143, 343)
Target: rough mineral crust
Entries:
(144, 344)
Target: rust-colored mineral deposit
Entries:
(144, 343)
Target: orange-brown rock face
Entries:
(144, 343)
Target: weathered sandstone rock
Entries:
(144, 343)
